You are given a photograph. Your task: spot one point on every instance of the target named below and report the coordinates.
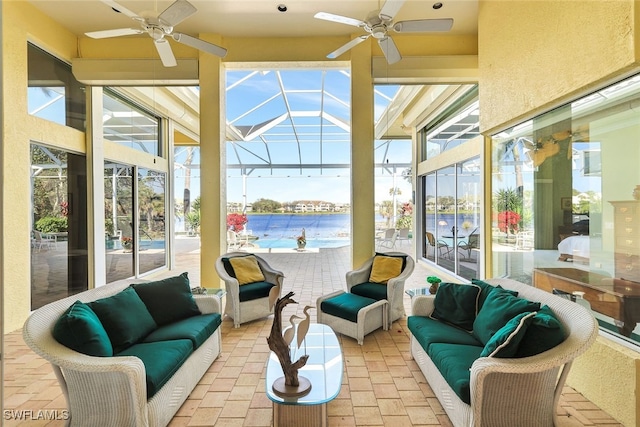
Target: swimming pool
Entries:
(311, 243)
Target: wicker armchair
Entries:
(394, 288)
(241, 309)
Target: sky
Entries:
(263, 105)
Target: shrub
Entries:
(51, 224)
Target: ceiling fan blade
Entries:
(389, 50)
(339, 19)
(177, 12)
(200, 44)
(119, 8)
(113, 33)
(166, 54)
(347, 46)
(390, 9)
(423, 25)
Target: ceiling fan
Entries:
(378, 23)
(159, 27)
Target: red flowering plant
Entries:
(508, 221)
(236, 221)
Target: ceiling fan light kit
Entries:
(159, 28)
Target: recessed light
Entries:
(437, 5)
(282, 7)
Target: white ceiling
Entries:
(255, 18)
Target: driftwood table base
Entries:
(284, 390)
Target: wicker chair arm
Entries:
(359, 275)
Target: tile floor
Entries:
(381, 384)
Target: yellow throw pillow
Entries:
(246, 269)
(385, 268)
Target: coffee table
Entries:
(323, 369)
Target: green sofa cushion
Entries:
(497, 310)
(345, 306)
(456, 304)
(544, 333)
(161, 360)
(168, 300)
(124, 317)
(428, 331)
(488, 288)
(256, 290)
(195, 328)
(505, 342)
(370, 290)
(80, 329)
(454, 363)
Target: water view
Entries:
(281, 230)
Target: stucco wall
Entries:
(608, 374)
(534, 54)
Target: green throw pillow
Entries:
(544, 333)
(80, 329)
(505, 342)
(497, 310)
(487, 289)
(124, 317)
(456, 304)
(168, 300)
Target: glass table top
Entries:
(420, 291)
(323, 369)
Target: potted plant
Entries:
(302, 240)
(127, 243)
(435, 282)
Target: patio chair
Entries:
(248, 280)
(234, 241)
(440, 245)
(472, 242)
(41, 240)
(403, 235)
(376, 281)
(388, 239)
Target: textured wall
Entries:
(535, 54)
(609, 375)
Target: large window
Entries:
(457, 124)
(564, 214)
(53, 93)
(451, 192)
(129, 125)
(119, 221)
(59, 261)
(135, 234)
(151, 220)
(452, 218)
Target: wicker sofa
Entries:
(113, 391)
(507, 391)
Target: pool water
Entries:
(311, 243)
